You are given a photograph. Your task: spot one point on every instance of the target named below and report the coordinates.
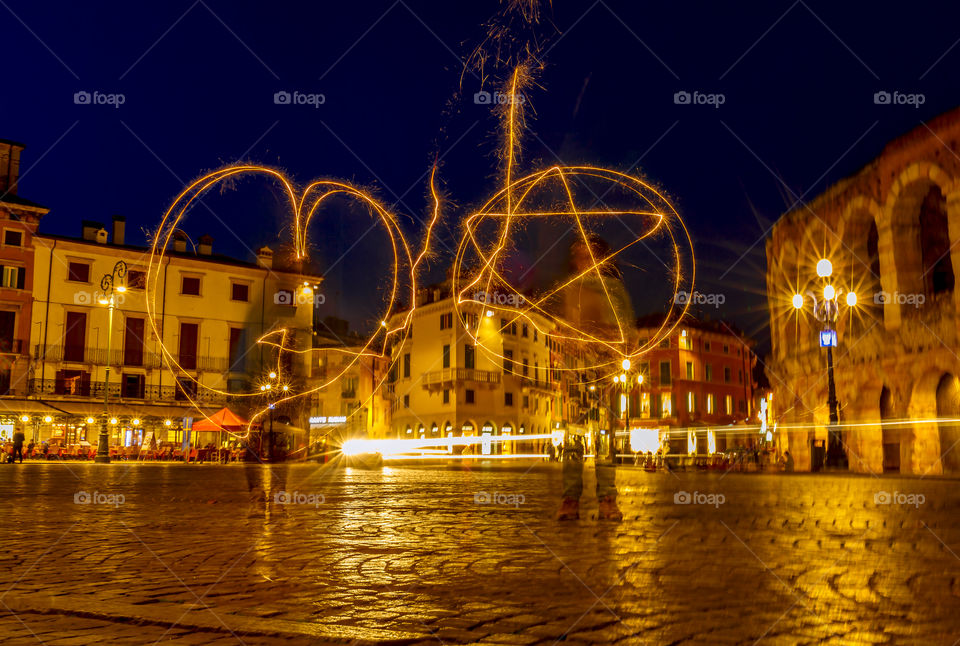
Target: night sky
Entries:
(198, 81)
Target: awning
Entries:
(95, 409)
(223, 419)
(11, 406)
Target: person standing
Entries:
(594, 302)
(18, 439)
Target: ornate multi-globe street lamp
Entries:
(110, 285)
(827, 311)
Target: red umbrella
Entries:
(224, 419)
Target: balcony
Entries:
(527, 383)
(93, 390)
(11, 346)
(450, 377)
(118, 357)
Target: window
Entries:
(726, 349)
(13, 238)
(469, 357)
(190, 286)
(468, 396)
(136, 279)
(503, 326)
(238, 292)
(508, 361)
(644, 404)
(133, 386)
(664, 373)
(13, 277)
(665, 343)
(406, 366)
(133, 342)
(706, 346)
(186, 389)
(691, 402)
(526, 401)
(534, 334)
(78, 272)
(7, 330)
(74, 336)
(726, 374)
(446, 356)
(237, 349)
(526, 367)
(189, 334)
(508, 399)
(740, 376)
(708, 372)
(524, 331)
(406, 401)
(645, 371)
(666, 405)
(686, 341)
(743, 406)
(728, 404)
(446, 395)
(446, 321)
(689, 370)
(710, 410)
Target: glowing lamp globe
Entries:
(824, 268)
(829, 292)
(797, 301)
(851, 299)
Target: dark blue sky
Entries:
(199, 78)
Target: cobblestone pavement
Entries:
(176, 553)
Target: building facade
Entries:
(892, 233)
(442, 384)
(210, 311)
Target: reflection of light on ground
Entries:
(432, 447)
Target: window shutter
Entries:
(21, 276)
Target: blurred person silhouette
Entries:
(18, 440)
(595, 302)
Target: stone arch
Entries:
(861, 268)
(948, 407)
(926, 432)
(784, 282)
(900, 227)
(469, 427)
(860, 403)
(891, 436)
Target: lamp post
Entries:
(110, 285)
(626, 381)
(827, 311)
(267, 389)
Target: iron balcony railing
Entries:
(119, 357)
(460, 375)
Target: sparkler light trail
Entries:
(558, 193)
(304, 206)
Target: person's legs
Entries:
(572, 472)
(18, 451)
(606, 477)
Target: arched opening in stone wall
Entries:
(935, 244)
(861, 269)
(890, 435)
(948, 407)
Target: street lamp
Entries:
(110, 284)
(827, 312)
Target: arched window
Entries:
(935, 243)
